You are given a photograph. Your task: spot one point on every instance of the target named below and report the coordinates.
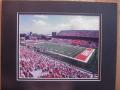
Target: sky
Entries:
(46, 24)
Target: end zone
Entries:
(85, 55)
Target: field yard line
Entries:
(66, 45)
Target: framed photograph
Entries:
(49, 42)
(58, 46)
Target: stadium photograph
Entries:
(58, 47)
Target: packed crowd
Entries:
(36, 65)
(83, 43)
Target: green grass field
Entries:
(67, 50)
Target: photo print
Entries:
(58, 47)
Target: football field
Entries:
(82, 54)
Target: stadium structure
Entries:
(75, 47)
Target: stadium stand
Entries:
(60, 56)
(83, 43)
(80, 33)
(47, 67)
